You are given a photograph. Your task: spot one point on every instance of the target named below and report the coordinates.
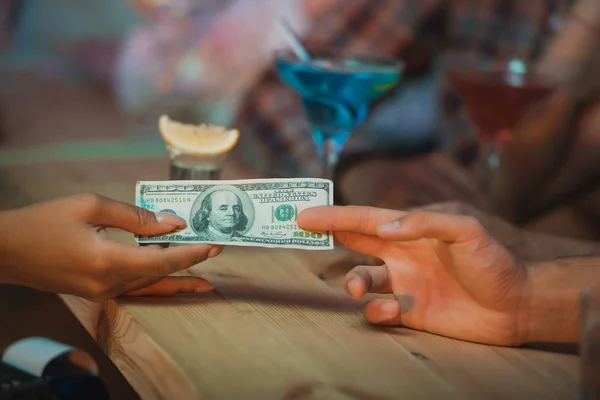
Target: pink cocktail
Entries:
(497, 96)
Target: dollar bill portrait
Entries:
(222, 213)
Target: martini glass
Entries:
(497, 94)
(336, 94)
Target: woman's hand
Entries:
(61, 246)
(447, 274)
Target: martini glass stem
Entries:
(329, 158)
(491, 155)
(329, 148)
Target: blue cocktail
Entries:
(336, 94)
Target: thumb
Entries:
(115, 214)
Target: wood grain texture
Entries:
(132, 350)
(273, 330)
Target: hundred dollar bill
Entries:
(259, 212)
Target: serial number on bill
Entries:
(283, 226)
(168, 199)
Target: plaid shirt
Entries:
(275, 136)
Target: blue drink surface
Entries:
(336, 93)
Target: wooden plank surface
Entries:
(273, 330)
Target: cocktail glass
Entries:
(497, 94)
(336, 94)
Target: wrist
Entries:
(549, 311)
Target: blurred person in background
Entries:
(413, 150)
(57, 64)
(194, 60)
(106, 70)
(66, 38)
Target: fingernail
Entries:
(170, 219)
(352, 287)
(389, 226)
(215, 251)
(204, 289)
(389, 310)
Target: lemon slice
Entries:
(197, 139)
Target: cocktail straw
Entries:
(293, 40)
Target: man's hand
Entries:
(447, 274)
(61, 246)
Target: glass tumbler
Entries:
(187, 166)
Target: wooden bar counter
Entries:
(274, 330)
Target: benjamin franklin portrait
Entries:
(222, 214)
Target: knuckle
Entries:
(100, 267)
(475, 226)
(365, 275)
(196, 258)
(472, 221)
(164, 268)
(90, 201)
(358, 269)
(456, 207)
(364, 221)
(419, 217)
(97, 290)
(89, 204)
(342, 239)
(362, 272)
(141, 216)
